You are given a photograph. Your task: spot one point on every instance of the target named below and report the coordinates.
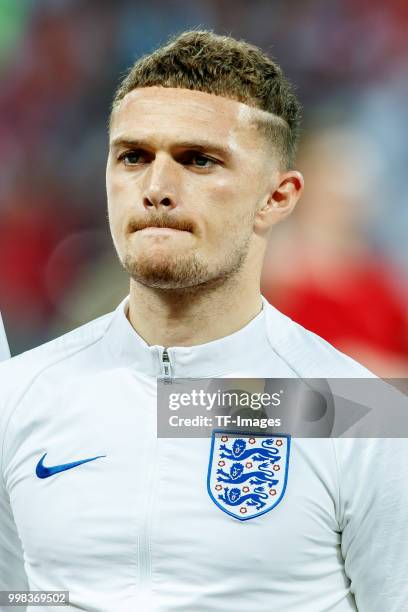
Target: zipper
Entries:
(166, 367)
(144, 594)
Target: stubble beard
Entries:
(185, 272)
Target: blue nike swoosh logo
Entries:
(44, 472)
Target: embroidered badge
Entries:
(247, 473)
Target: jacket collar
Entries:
(216, 358)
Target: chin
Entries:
(171, 272)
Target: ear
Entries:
(281, 200)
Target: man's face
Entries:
(186, 172)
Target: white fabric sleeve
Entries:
(373, 516)
(4, 348)
(12, 573)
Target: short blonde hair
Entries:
(221, 65)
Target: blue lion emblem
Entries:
(235, 475)
(247, 472)
(259, 453)
(233, 497)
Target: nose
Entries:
(160, 184)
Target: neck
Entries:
(188, 317)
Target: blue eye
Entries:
(130, 157)
(202, 161)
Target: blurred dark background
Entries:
(338, 266)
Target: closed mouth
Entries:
(160, 229)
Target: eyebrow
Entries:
(198, 145)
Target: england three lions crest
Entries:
(247, 473)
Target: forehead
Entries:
(174, 113)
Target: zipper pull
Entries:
(166, 367)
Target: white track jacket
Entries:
(134, 529)
(4, 349)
